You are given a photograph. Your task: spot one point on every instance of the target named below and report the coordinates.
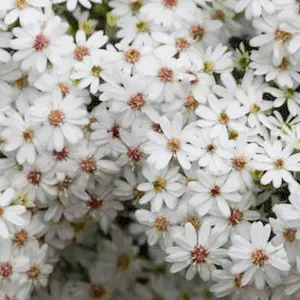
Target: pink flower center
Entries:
(166, 75)
(169, 3)
(114, 131)
(239, 163)
(61, 155)
(80, 52)
(132, 56)
(20, 238)
(182, 44)
(34, 272)
(6, 270)
(190, 103)
(34, 177)
(282, 36)
(137, 101)
(161, 224)
(41, 42)
(215, 191)
(199, 255)
(63, 186)
(88, 165)
(174, 145)
(259, 258)
(289, 234)
(64, 89)
(97, 291)
(95, 202)
(197, 32)
(156, 127)
(56, 117)
(235, 217)
(134, 154)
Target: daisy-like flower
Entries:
(257, 258)
(162, 187)
(159, 226)
(217, 60)
(89, 71)
(38, 270)
(255, 8)
(88, 46)
(199, 251)
(10, 214)
(211, 192)
(290, 96)
(286, 72)
(169, 13)
(71, 4)
(221, 116)
(278, 162)
(288, 236)
(38, 43)
(20, 136)
(273, 39)
(126, 8)
(174, 142)
(27, 11)
(60, 120)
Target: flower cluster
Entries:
(142, 138)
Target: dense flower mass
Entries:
(149, 149)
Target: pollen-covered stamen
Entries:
(95, 202)
(223, 118)
(215, 191)
(239, 163)
(135, 5)
(195, 221)
(255, 108)
(289, 235)
(284, 65)
(137, 101)
(22, 82)
(28, 135)
(259, 258)
(87, 26)
(64, 89)
(9, 298)
(132, 56)
(182, 44)
(159, 184)
(114, 131)
(88, 165)
(170, 3)
(97, 291)
(197, 32)
(134, 154)
(199, 255)
(34, 177)
(208, 67)
(61, 155)
(80, 52)
(21, 3)
(161, 224)
(1, 211)
(20, 238)
(211, 148)
(142, 27)
(235, 217)
(174, 144)
(34, 272)
(56, 117)
(218, 14)
(282, 36)
(137, 194)
(123, 261)
(6, 270)
(166, 75)
(63, 186)
(96, 70)
(278, 164)
(88, 127)
(41, 42)
(191, 103)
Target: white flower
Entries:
(162, 187)
(255, 8)
(37, 43)
(198, 251)
(27, 11)
(211, 192)
(10, 214)
(278, 161)
(60, 120)
(71, 4)
(5, 38)
(174, 143)
(257, 258)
